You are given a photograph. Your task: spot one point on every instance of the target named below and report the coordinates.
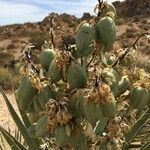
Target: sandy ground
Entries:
(5, 118)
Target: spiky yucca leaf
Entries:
(135, 130)
(146, 146)
(30, 142)
(24, 117)
(11, 140)
(3, 144)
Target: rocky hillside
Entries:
(132, 8)
(130, 24)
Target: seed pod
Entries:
(30, 108)
(139, 97)
(76, 106)
(44, 96)
(62, 139)
(85, 38)
(109, 109)
(103, 145)
(128, 60)
(33, 117)
(106, 33)
(41, 127)
(101, 125)
(36, 104)
(108, 7)
(111, 60)
(92, 112)
(76, 76)
(55, 73)
(124, 84)
(79, 142)
(46, 57)
(25, 93)
(32, 131)
(111, 77)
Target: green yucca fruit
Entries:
(106, 33)
(55, 73)
(47, 55)
(30, 107)
(109, 109)
(103, 145)
(107, 146)
(111, 77)
(92, 112)
(62, 139)
(79, 142)
(32, 131)
(36, 104)
(124, 84)
(44, 96)
(25, 93)
(139, 97)
(111, 60)
(101, 125)
(108, 7)
(127, 61)
(85, 38)
(76, 76)
(41, 127)
(33, 117)
(76, 106)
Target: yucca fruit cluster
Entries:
(85, 97)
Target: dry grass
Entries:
(8, 79)
(143, 61)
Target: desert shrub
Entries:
(72, 25)
(11, 46)
(120, 21)
(143, 61)
(7, 78)
(37, 39)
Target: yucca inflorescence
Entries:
(84, 97)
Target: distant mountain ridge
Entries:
(131, 8)
(133, 19)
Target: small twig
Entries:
(29, 61)
(93, 56)
(127, 50)
(27, 56)
(100, 3)
(65, 43)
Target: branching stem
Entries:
(127, 50)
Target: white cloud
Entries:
(13, 10)
(17, 11)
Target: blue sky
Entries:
(20, 11)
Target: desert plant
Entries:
(37, 39)
(7, 78)
(81, 98)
